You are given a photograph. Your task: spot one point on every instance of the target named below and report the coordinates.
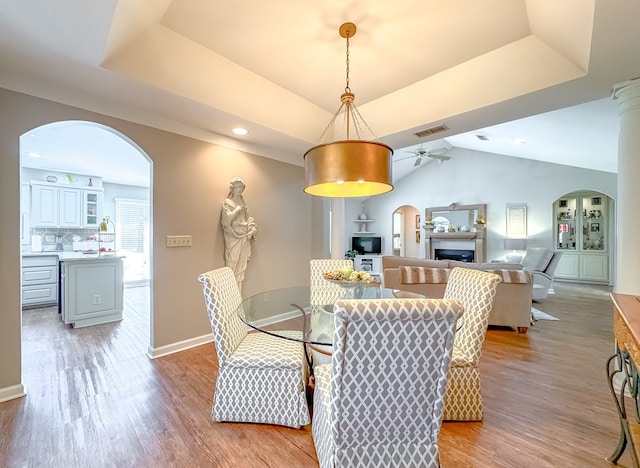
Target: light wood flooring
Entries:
(95, 400)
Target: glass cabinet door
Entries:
(594, 223)
(581, 223)
(565, 209)
(92, 208)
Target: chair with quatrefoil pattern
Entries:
(476, 291)
(261, 378)
(380, 401)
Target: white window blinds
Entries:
(132, 238)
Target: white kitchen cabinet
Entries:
(69, 207)
(92, 201)
(39, 281)
(91, 290)
(55, 205)
(44, 205)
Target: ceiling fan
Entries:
(437, 154)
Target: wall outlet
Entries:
(97, 299)
(179, 241)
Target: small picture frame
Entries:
(596, 201)
(562, 203)
(417, 221)
(417, 237)
(595, 227)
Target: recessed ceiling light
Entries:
(33, 154)
(240, 131)
(482, 137)
(518, 142)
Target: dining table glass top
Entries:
(280, 311)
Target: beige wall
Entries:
(190, 181)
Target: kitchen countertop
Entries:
(80, 257)
(69, 255)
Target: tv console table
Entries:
(626, 329)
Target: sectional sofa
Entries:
(512, 306)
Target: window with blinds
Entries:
(132, 237)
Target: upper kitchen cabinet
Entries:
(62, 206)
(91, 208)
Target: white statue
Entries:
(239, 230)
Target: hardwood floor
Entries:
(95, 399)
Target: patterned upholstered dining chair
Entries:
(322, 291)
(476, 291)
(380, 401)
(261, 378)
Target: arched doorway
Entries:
(406, 231)
(99, 161)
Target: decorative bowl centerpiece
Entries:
(348, 278)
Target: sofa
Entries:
(512, 305)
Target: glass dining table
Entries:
(278, 312)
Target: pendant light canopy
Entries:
(348, 168)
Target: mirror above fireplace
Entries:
(459, 215)
(456, 228)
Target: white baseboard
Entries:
(179, 346)
(10, 393)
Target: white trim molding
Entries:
(12, 392)
(179, 346)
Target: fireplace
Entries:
(461, 255)
(465, 241)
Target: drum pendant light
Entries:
(348, 168)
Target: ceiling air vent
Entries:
(431, 131)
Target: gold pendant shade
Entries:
(348, 168)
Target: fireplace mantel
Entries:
(466, 239)
(453, 235)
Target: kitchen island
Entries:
(91, 289)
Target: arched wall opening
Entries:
(84, 154)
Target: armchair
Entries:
(541, 263)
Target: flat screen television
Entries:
(367, 245)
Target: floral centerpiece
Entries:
(349, 275)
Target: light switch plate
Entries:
(179, 241)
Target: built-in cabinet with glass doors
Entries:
(581, 223)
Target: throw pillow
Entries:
(537, 259)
